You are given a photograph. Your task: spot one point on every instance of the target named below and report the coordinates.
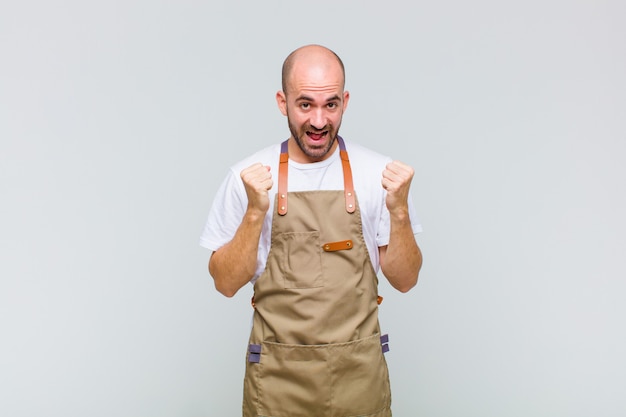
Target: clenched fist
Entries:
(396, 180)
(257, 181)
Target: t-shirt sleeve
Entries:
(225, 214)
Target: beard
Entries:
(314, 152)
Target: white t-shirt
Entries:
(367, 166)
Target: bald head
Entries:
(310, 56)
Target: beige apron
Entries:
(315, 347)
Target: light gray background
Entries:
(118, 120)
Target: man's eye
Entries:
(304, 106)
(332, 105)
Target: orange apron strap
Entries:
(283, 169)
(348, 186)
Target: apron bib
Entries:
(315, 347)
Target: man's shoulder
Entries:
(359, 153)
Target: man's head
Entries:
(310, 50)
(313, 99)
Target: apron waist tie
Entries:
(254, 353)
(384, 341)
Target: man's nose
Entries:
(318, 119)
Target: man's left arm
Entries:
(401, 259)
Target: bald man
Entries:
(310, 222)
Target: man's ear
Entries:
(281, 100)
(346, 98)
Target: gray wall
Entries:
(119, 119)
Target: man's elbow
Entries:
(222, 286)
(225, 290)
(406, 285)
(404, 279)
(411, 281)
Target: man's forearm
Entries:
(234, 264)
(401, 260)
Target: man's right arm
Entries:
(233, 265)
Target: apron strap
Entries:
(348, 187)
(283, 170)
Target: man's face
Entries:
(314, 106)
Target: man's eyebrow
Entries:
(307, 98)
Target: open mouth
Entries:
(317, 135)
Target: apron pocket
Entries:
(301, 264)
(334, 380)
(293, 381)
(360, 379)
